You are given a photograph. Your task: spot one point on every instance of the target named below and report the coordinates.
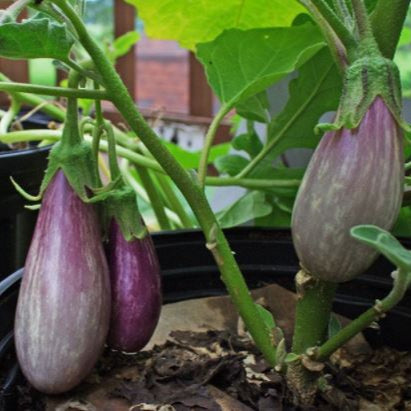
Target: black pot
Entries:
(16, 222)
(265, 256)
(27, 167)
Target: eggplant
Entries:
(63, 308)
(355, 176)
(136, 290)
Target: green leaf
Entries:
(255, 108)
(252, 205)
(277, 218)
(314, 92)
(191, 22)
(248, 142)
(291, 357)
(190, 159)
(230, 164)
(385, 243)
(240, 64)
(35, 38)
(122, 45)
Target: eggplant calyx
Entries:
(367, 78)
(76, 161)
(121, 205)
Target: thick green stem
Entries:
(312, 312)
(155, 200)
(401, 283)
(337, 48)
(361, 19)
(387, 22)
(216, 241)
(54, 91)
(208, 142)
(336, 24)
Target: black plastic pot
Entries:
(27, 167)
(265, 256)
(16, 222)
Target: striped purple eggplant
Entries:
(354, 177)
(63, 308)
(136, 290)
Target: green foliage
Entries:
(248, 142)
(35, 38)
(385, 243)
(239, 64)
(252, 205)
(314, 92)
(122, 45)
(190, 159)
(192, 22)
(230, 164)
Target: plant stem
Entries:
(154, 198)
(54, 91)
(208, 142)
(332, 19)
(387, 22)
(337, 48)
(344, 13)
(10, 115)
(131, 180)
(361, 19)
(312, 312)
(216, 241)
(401, 283)
(174, 203)
(143, 161)
(311, 322)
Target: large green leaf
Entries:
(190, 159)
(385, 243)
(35, 38)
(314, 92)
(191, 22)
(240, 64)
(252, 205)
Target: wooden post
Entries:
(200, 94)
(17, 70)
(124, 21)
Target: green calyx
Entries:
(121, 205)
(366, 78)
(74, 156)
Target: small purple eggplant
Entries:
(136, 290)
(354, 177)
(63, 309)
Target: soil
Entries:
(218, 370)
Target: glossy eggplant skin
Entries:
(136, 290)
(354, 177)
(63, 308)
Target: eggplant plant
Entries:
(343, 205)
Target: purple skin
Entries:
(354, 177)
(136, 291)
(63, 309)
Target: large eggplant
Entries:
(354, 177)
(136, 290)
(63, 308)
